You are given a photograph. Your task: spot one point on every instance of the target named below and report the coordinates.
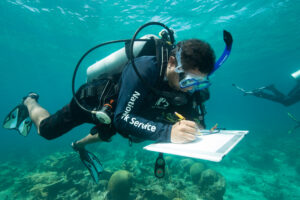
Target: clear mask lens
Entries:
(188, 79)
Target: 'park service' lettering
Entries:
(133, 121)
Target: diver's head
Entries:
(189, 65)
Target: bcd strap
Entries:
(110, 91)
(159, 54)
(88, 92)
(104, 89)
(149, 49)
(154, 47)
(162, 56)
(202, 112)
(200, 97)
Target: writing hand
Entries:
(183, 131)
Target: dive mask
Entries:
(188, 79)
(199, 82)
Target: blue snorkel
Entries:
(228, 41)
(200, 83)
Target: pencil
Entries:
(179, 116)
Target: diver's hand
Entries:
(183, 132)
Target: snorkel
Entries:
(198, 82)
(227, 37)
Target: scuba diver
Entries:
(273, 94)
(138, 101)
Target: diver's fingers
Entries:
(179, 133)
(189, 123)
(190, 137)
(186, 138)
(188, 129)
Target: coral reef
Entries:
(119, 185)
(130, 176)
(196, 171)
(212, 185)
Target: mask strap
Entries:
(178, 68)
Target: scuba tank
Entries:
(114, 63)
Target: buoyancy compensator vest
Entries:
(111, 66)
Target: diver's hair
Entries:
(196, 54)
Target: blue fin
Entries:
(92, 163)
(18, 119)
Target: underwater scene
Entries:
(257, 89)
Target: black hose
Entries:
(80, 61)
(131, 56)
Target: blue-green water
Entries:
(41, 42)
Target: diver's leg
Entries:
(36, 112)
(275, 91)
(276, 95)
(290, 100)
(295, 90)
(270, 97)
(89, 139)
(99, 133)
(293, 96)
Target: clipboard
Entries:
(211, 145)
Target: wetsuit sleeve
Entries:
(132, 102)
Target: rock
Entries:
(212, 185)
(75, 175)
(195, 171)
(169, 160)
(119, 185)
(154, 193)
(170, 194)
(208, 177)
(186, 164)
(103, 184)
(49, 191)
(106, 174)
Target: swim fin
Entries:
(245, 92)
(90, 161)
(18, 119)
(252, 92)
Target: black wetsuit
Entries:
(286, 100)
(139, 114)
